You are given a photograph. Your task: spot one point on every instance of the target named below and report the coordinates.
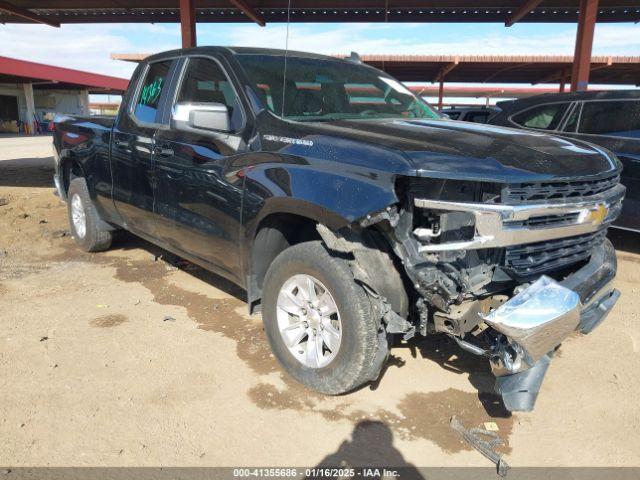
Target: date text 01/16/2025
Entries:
(316, 472)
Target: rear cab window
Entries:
(147, 105)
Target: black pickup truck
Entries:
(351, 213)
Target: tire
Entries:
(351, 365)
(92, 238)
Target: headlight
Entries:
(441, 225)
(448, 190)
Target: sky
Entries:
(88, 47)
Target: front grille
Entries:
(536, 258)
(545, 221)
(514, 194)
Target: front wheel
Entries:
(318, 320)
(84, 219)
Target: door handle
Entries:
(163, 152)
(168, 169)
(122, 144)
(170, 172)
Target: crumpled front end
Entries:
(509, 271)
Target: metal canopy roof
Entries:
(503, 69)
(480, 92)
(145, 11)
(44, 76)
(489, 69)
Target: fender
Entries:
(85, 141)
(326, 192)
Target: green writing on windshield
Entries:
(151, 92)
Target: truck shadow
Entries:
(446, 353)
(625, 240)
(370, 446)
(124, 241)
(27, 172)
(439, 348)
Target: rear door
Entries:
(615, 125)
(132, 146)
(198, 200)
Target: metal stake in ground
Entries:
(474, 436)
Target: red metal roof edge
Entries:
(421, 86)
(27, 69)
(492, 58)
(412, 58)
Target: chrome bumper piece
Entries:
(498, 225)
(536, 320)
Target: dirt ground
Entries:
(134, 358)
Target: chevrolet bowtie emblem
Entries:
(598, 215)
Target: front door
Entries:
(132, 149)
(198, 197)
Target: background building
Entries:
(31, 94)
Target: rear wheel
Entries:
(318, 320)
(84, 220)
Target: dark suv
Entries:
(609, 119)
(470, 114)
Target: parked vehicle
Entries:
(470, 114)
(609, 119)
(349, 222)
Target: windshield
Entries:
(322, 90)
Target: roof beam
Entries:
(505, 69)
(24, 13)
(188, 23)
(584, 45)
(249, 11)
(556, 76)
(553, 77)
(129, 57)
(522, 12)
(446, 69)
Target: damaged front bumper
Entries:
(536, 320)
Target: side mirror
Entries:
(201, 116)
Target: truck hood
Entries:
(462, 150)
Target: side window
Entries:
(546, 117)
(617, 118)
(205, 82)
(147, 103)
(478, 117)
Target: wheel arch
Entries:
(307, 193)
(70, 167)
(274, 233)
(370, 254)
